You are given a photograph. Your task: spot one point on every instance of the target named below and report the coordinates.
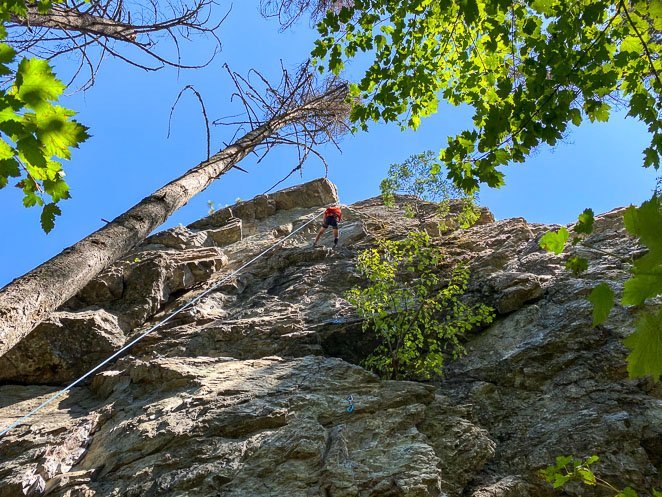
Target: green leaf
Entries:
(600, 113)
(577, 265)
(554, 241)
(626, 492)
(48, 216)
(602, 298)
(560, 480)
(543, 6)
(6, 151)
(587, 476)
(36, 84)
(469, 8)
(7, 55)
(644, 222)
(57, 189)
(31, 199)
(641, 287)
(8, 168)
(645, 343)
(58, 133)
(585, 222)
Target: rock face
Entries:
(247, 392)
(62, 348)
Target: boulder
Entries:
(62, 348)
(227, 234)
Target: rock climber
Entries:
(332, 216)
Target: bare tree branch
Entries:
(289, 12)
(204, 114)
(262, 101)
(72, 26)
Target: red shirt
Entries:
(333, 211)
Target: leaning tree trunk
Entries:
(28, 300)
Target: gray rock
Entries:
(512, 290)
(315, 193)
(214, 220)
(227, 234)
(62, 348)
(238, 395)
(136, 289)
(179, 238)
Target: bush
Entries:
(417, 317)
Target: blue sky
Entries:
(129, 156)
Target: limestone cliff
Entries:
(244, 394)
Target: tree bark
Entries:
(28, 300)
(74, 20)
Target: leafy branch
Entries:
(417, 317)
(643, 222)
(570, 469)
(528, 70)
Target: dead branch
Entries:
(204, 114)
(94, 28)
(262, 101)
(288, 12)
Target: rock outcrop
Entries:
(246, 393)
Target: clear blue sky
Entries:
(129, 156)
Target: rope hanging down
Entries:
(140, 337)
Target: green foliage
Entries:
(570, 469)
(602, 298)
(529, 70)
(643, 222)
(469, 214)
(645, 344)
(415, 314)
(35, 133)
(554, 241)
(577, 265)
(420, 176)
(584, 223)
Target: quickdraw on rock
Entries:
(350, 407)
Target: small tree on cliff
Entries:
(417, 316)
(417, 177)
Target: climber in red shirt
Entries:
(332, 216)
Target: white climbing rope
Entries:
(143, 335)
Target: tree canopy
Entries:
(528, 69)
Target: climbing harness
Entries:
(143, 335)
